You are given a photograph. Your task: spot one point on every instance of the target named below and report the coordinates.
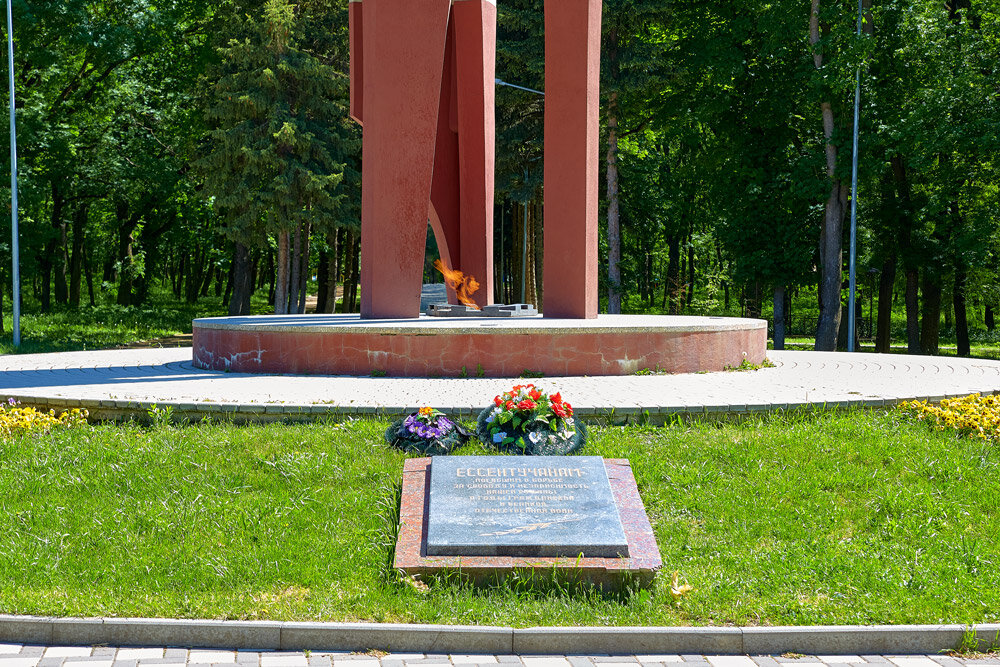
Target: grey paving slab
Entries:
(129, 382)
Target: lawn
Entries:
(856, 517)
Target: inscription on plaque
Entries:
(523, 506)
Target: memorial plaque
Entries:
(523, 506)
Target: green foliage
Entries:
(280, 140)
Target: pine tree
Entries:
(279, 144)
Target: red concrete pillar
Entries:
(572, 101)
(475, 29)
(355, 32)
(403, 50)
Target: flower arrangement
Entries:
(426, 431)
(526, 420)
(17, 419)
(975, 415)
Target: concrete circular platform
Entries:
(488, 347)
(124, 383)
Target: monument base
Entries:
(638, 568)
(489, 347)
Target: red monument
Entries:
(422, 82)
(422, 86)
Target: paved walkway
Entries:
(17, 655)
(121, 382)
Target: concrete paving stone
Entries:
(21, 661)
(50, 662)
(366, 662)
(321, 661)
(68, 652)
(945, 660)
(616, 659)
(299, 660)
(176, 653)
(87, 663)
(32, 651)
(876, 659)
(841, 659)
(159, 662)
(509, 659)
(693, 657)
(211, 657)
(765, 661)
(463, 659)
(729, 661)
(126, 663)
(911, 661)
(579, 661)
(545, 662)
(403, 656)
(245, 657)
(7, 649)
(103, 651)
(659, 658)
(139, 654)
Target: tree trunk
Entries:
(690, 268)
(886, 280)
(930, 322)
(281, 275)
(295, 271)
(76, 258)
(912, 312)
(322, 280)
(125, 254)
(671, 290)
(614, 228)
(990, 320)
(831, 257)
(329, 303)
(355, 252)
(239, 302)
(961, 318)
(61, 261)
(779, 317)
(304, 274)
(89, 275)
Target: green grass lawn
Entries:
(834, 518)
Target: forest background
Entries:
(196, 157)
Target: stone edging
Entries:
(277, 635)
(125, 410)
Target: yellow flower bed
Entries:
(17, 419)
(974, 415)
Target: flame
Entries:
(464, 285)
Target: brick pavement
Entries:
(18, 655)
(120, 382)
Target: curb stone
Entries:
(492, 640)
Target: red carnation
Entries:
(526, 405)
(556, 398)
(557, 408)
(498, 401)
(535, 394)
(510, 405)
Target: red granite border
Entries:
(494, 354)
(641, 566)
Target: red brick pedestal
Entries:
(441, 347)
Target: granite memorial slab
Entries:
(528, 506)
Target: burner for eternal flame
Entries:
(495, 310)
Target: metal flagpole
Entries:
(852, 269)
(14, 250)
